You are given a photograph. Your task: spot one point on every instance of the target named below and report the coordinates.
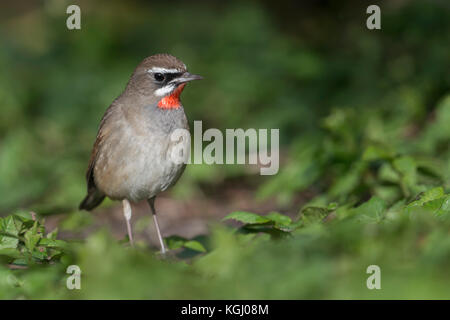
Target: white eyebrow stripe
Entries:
(164, 70)
(164, 90)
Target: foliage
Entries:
(23, 241)
(367, 154)
(364, 131)
(370, 91)
(319, 256)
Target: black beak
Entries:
(186, 77)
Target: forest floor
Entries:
(187, 218)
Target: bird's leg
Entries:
(127, 215)
(151, 202)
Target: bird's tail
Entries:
(92, 200)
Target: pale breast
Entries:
(135, 160)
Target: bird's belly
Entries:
(149, 174)
(138, 168)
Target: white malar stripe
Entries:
(163, 70)
(164, 91)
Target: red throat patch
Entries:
(172, 101)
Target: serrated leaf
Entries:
(32, 237)
(445, 206)
(432, 194)
(8, 227)
(428, 196)
(246, 217)
(24, 216)
(314, 214)
(439, 206)
(39, 253)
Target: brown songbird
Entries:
(130, 160)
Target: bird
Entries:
(130, 160)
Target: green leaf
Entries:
(439, 207)
(194, 245)
(407, 167)
(40, 253)
(429, 199)
(174, 242)
(32, 237)
(52, 235)
(445, 206)
(10, 252)
(432, 194)
(388, 173)
(372, 210)
(9, 227)
(311, 215)
(52, 243)
(376, 152)
(332, 206)
(246, 217)
(279, 218)
(24, 216)
(349, 180)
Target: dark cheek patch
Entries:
(172, 101)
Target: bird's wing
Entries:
(94, 196)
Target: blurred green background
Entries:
(362, 114)
(303, 68)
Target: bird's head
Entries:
(162, 78)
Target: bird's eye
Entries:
(159, 76)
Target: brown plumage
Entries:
(130, 160)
